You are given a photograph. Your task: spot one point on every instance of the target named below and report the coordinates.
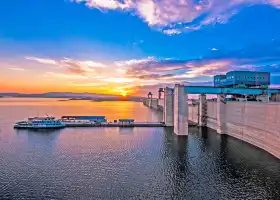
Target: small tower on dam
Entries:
(160, 91)
(181, 123)
(150, 95)
(168, 113)
(176, 109)
(150, 102)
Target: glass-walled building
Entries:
(242, 79)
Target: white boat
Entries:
(40, 123)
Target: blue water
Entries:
(126, 163)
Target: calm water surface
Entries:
(125, 163)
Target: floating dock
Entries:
(82, 121)
(101, 121)
(135, 124)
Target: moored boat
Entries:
(40, 123)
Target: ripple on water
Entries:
(137, 163)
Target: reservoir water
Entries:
(125, 163)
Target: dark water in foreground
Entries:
(116, 163)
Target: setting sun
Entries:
(123, 92)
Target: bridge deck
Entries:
(220, 90)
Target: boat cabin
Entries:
(41, 118)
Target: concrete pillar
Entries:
(168, 114)
(221, 114)
(276, 97)
(180, 110)
(154, 103)
(145, 102)
(150, 103)
(265, 98)
(202, 110)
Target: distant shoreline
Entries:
(74, 96)
(62, 99)
(100, 100)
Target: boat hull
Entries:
(39, 127)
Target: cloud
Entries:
(254, 57)
(134, 61)
(170, 70)
(17, 69)
(154, 76)
(80, 67)
(105, 4)
(209, 68)
(254, 53)
(172, 31)
(150, 69)
(276, 3)
(143, 90)
(72, 66)
(64, 76)
(140, 42)
(118, 80)
(177, 16)
(42, 60)
(155, 71)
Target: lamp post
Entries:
(150, 95)
(159, 92)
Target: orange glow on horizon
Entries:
(37, 89)
(38, 80)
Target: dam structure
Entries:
(255, 122)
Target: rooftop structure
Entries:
(243, 79)
(89, 118)
(126, 120)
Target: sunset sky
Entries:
(130, 47)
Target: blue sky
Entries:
(129, 46)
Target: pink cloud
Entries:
(168, 14)
(73, 66)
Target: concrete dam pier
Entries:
(257, 123)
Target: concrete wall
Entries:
(255, 123)
(275, 97)
(212, 115)
(151, 103)
(146, 102)
(252, 122)
(193, 113)
(161, 102)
